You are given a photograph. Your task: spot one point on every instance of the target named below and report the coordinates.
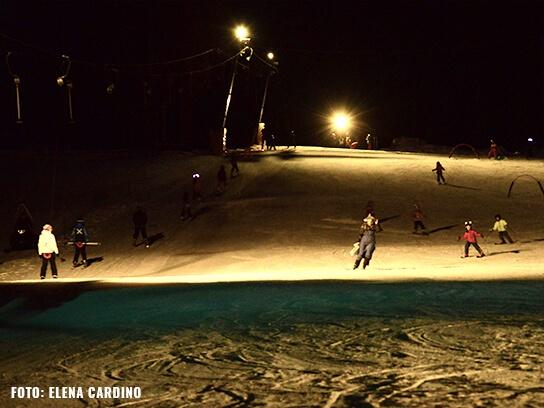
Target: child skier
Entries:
(439, 170)
(197, 187)
(418, 217)
(470, 236)
(139, 219)
(493, 150)
(500, 227)
(367, 241)
(47, 249)
(234, 171)
(80, 237)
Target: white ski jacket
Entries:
(47, 243)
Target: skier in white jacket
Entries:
(47, 250)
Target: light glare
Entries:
(340, 121)
(241, 33)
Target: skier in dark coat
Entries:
(367, 241)
(418, 217)
(80, 237)
(139, 219)
(439, 170)
(234, 170)
(292, 139)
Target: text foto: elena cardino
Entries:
(76, 392)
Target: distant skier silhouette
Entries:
(439, 170)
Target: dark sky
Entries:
(444, 71)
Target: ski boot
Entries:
(357, 262)
(480, 255)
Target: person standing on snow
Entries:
(367, 241)
(418, 217)
(80, 237)
(139, 218)
(197, 187)
(234, 170)
(439, 170)
(500, 227)
(47, 250)
(471, 238)
(292, 140)
(493, 150)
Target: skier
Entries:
(367, 241)
(264, 138)
(418, 217)
(221, 180)
(439, 176)
(139, 218)
(470, 236)
(47, 250)
(493, 150)
(272, 142)
(186, 213)
(500, 227)
(197, 187)
(234, 171)
(368, 140)
(292, 139)
(80, 237)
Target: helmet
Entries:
(47, 227)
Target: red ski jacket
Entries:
(470, 236)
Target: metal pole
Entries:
(229, 96)
(264, 97)
(19, 119)
(70, 111)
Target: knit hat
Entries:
(47, 227)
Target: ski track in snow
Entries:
(374, 362)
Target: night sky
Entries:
(444, 71)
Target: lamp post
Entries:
(17, 82)
(270, 57)
(242, 35)
(63, 80)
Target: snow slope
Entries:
(288, 216)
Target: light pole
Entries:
(242, 35)
(274, 69)
(63, 80)
(17, 82)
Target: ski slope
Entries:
(290, 215)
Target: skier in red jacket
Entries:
(471, 238)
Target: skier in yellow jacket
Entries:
(500, 227)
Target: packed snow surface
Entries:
(255, 303)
